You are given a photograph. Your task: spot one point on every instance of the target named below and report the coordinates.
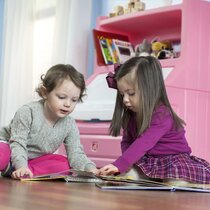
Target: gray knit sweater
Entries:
(30, 136)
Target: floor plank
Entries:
(17, 195)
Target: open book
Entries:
(121, 183)
(68, 176)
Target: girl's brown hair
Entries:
(57, 74)
(148, 78)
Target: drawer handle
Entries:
(94, 146)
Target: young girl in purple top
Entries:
(153, 139)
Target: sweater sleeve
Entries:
(76, 155)
(160, 124)
(20, 128)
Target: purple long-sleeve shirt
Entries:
(160, 139)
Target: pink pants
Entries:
(46, 164)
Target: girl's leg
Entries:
(135, 173)
(48, 164)
(5, 153)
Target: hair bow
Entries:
(110, 78)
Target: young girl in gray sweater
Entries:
(38, 129)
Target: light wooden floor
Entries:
(16, 195)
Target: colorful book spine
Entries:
(105, 51)
(112, 50)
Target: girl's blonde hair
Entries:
(146, 74)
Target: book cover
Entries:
(105, 49)
(124, 50)
(112, 50)
(96, 35)
(113, 183)
(68, 176)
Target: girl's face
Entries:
(61, 101)
(129, 94)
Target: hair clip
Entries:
(110, 78)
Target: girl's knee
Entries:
(5, 154)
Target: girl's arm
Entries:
(76, 155)
(161, 124)
(20, 128)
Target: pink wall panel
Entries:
(194, 107)
(198, 119)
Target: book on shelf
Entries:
(112, 50)
(124, 50)
(97, 35)
(115, 50)
(106, 52)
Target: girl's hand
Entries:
(95, 171)
(108, 170)
(20, 172)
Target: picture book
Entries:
(116, 183)
(97, 34)
(112, 50)
(68, 176)
(105, 49)
(124, 50)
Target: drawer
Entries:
(98, 128)
(101, 149)
(101, 146)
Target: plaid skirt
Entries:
(182, 166)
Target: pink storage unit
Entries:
(187, 77)
(98, 145)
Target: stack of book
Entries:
(112, 48)
(115, 51)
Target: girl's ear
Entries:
(44, 92)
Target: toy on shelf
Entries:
(159, 49)
(143, 49)
(134, 6)
(162, 49)
(118, 10)
(131, 7)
